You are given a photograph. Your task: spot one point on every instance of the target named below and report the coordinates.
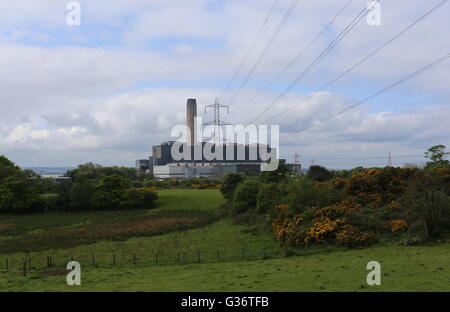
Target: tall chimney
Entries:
(191, 113)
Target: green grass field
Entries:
(402, 268)
(218, 245)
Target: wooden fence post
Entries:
(93, 259)
(114, 259)
(178, 258)
(156, 258)
(199, 259)
(7, 264)
(24, 269)
(29, 264)
(264, 253)
(218, 255)
(243, 253)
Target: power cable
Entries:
(252, 46)
(389, 87)
(302, 52)
(335, 41)
(361, 61)
(266, 49)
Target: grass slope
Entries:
(424, 268)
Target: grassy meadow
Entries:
(184, 245)
(403, 269)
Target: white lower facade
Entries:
(198, 170)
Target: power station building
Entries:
(233, 158)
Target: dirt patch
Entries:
(6, 226)
(156, 224)
(54, 272)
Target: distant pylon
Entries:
(216, 122)
(297, 166)
(389, 160)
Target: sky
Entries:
(109, 89)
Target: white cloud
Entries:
(113, 87)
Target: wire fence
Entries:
(50, 262)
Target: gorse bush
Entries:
(351, 207)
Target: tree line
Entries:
(91, 187)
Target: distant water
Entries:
(50, 172)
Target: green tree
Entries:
(81, 194)
(8, 169)
(319, 173)
(109, 192)
(95, 172)
(245, 196)
(281, 174)
(269, 196)
(307, 194)
(16, 195)
(230, 183)
(139, 199)
(426, 206)
(437, 155)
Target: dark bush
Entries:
(18, 196)
(269, 196)
(305, 194)
(230, 183)
(281, 174)
(139, 199)
(80, 195)
(109, 192)
(245, 196)
(319, 173)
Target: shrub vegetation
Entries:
(350, 208)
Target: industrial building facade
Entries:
(233, 157)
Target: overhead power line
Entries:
(301, 53)
(389, 87)
(362, 157)
(332, 81)
(252, 46)
(266, 48)
(327, 50)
